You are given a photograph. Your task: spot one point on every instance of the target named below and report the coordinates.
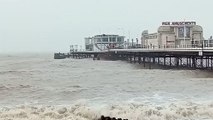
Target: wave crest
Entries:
(186, 111)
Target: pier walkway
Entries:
(191, 58)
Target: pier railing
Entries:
(187, 46)
(158, 47)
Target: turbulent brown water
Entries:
(38, 87)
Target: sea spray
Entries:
(173, 111)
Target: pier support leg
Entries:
(201, 62)
(134, 59)
(150, 63)
(126, 57)
(190, 62)
(194, 62)
(181, 61)
(164, 61)
(139, 59)
(211, 63)
(144, 62)
(208, 62)
(153, 60)
(177, 61)
(187, 61)
(158, 60)
(130, 59)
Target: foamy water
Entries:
(39, 87)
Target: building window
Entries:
(172, 29)
(112, 39)
(152, 37)
(105, 39)
(184, 32)
(180, 32)
(120, 39)
(188, 32)
(99, 40)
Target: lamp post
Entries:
(71, 48)
(175, 40)
(132, 43)
(166, 40)
(184, 33)
(80, 47)
(137, 42)
(76, 48)
(127, 43)
(193, 42)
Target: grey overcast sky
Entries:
(53, 25)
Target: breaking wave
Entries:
(131, 111)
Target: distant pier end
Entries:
(60, 55)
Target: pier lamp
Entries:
(132, 43)
(166, 41)
(137, 42)
(76, 48)
(71, 48)
(125, 44)
(80, 47)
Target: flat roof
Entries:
(105, 35)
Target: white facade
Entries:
(104, 42)
(176, 34)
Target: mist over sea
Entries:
(37, 87)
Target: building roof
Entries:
(103, 35)
(197, 28)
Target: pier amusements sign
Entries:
(187, 23)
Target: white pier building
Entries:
(103, 42)
(174, 34)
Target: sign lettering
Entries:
(178, 23)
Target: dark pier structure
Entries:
(190, 58)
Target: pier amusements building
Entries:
(103, 42)
(174, 34)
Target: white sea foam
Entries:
(131, 111)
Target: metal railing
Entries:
(187, 46)
(158, 47)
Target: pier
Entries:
(190, 58)
(177, 44)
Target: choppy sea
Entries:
(37, 87)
